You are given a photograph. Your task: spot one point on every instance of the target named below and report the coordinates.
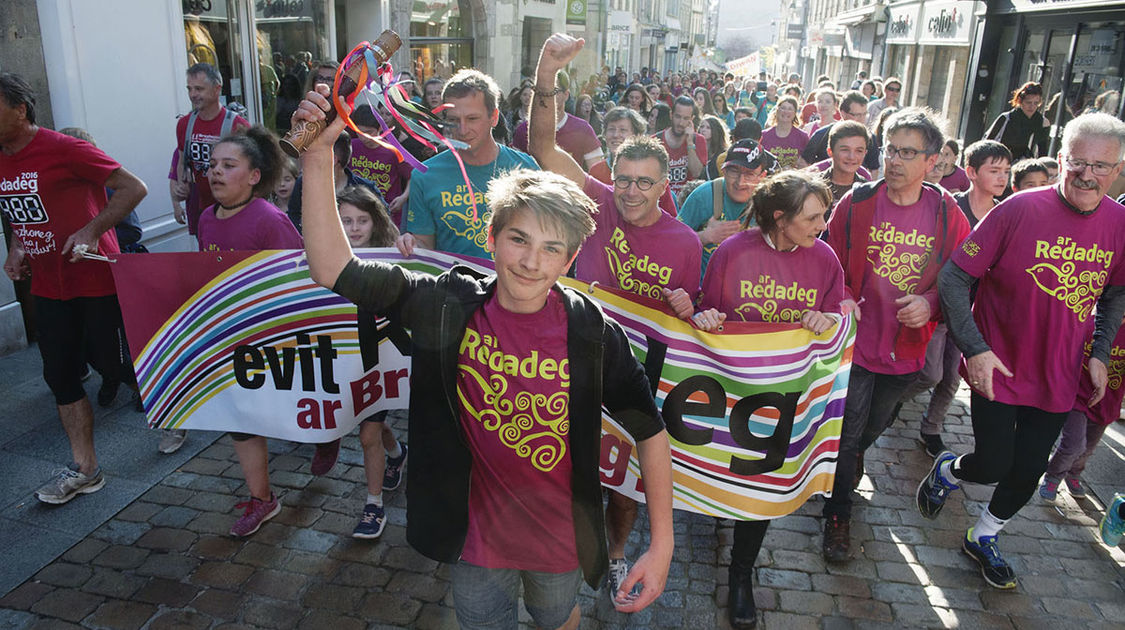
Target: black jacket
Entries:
(1025, 137)
(437, 310)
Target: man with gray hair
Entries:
(892, 236)
(195, 133)
(1041, 261)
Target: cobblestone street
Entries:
(166, 561)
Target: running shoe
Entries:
(107, 393)
(935, 488)
(371, 523)
(171, 440)
(1113, 525)
(392, 475)
(1076, 488)
(618, 571)
(257, 512)
(992, 566)
(325, 457)
(933, 444)
(1050, 488)
(68, 483)
(837, 543)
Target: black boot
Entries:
(740, 603)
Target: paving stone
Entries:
(320, 619)
(15, 619)
(216, 547)
(407, 559)
(271, 613)
(64, 574)
(166, 592)
(783, 579)
(25, 595)
(121, 532)
(775, 619)
(121, 557)
(221, 574)
(173, 516)
(110, 583)
(1069, 608)
(168, 565)
(139, 511)
(277, 584)
(421, 586)
(389, 608)
(121, 615)
(334, 597)
(67, 603)
(856, 608)
(259, 555)
(166, 539)
(434, 617)
(212, 502)
(180, 620)
(805, 602)
(218, 603)
(311, 564)
(167, 495)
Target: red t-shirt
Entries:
(603, 174)
(1042, 267)
(901, 242)
(787, 150)
(381, 166)
(204, 134)
(574, 135)
(513, 381)
(751, 281)
(678, 162)
(49, 190)
(640, 260)
(260, 225)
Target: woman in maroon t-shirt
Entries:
(779, 271)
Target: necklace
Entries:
(237, 205)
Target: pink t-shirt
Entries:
(1042, 267)
(957, 181)
(381, 166)
(751, 281)
(787, 150)
(575, 136)
(513, 381)
(678, 162)
(901, 242)
(260, 225)
(1108, 408)
(640, 260)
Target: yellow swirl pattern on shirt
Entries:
(1079, 292)
(464, 225)
(535, 426)
(768, 312)
(902, 270)
(625, 279)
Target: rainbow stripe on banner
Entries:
(247, 342)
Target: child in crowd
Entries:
(368, 224)
(1086, 424)
(244, 171)
(284, 189)
(988, 165)
(1029, 173)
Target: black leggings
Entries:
(748, 537)
(1013, 444)
(77, 330)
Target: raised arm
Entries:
(326, 245)
(128, 191)
(558, 50)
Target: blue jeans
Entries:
(868, 411)
(486, 598)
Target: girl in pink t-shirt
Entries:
(244, 170)
(779, 271)
(782, 138)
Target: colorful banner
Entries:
(747, 66)
(243, 341)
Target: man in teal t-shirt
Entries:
(441, 215)
(745, 166)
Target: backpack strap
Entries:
(185, 159)
(228, 123)
(717, 198)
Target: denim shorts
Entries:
(486, 598)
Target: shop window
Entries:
(211, 35)
(292, 38)
(440, 38)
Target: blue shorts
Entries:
(485, 599)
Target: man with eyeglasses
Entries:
(687, 150)
(714, 209)
(1041, 261)
(636, 247)
(852, 107)
(892, 237)
(892, 87)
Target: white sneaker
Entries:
(171, 440)
(68, 483)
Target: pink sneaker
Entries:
(257, 512)
(1075, 486)
(325, 457)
